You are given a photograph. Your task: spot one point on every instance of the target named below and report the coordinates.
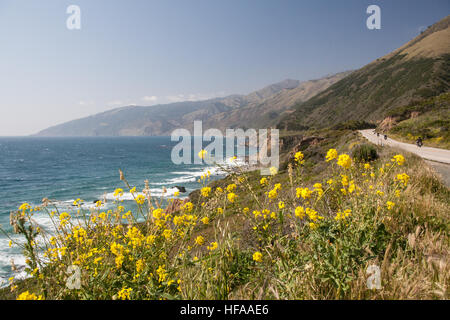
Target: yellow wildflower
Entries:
(140, 199)
(205, 191)
(157, 213)
(344, 161)
(119, 261)
(344, 180)
(231, 187)
(257, 256)
(124, 293)
(403, 178)
(205, 220)
(24, 206)
(29, 296)
(331, 154)
(342, 215)
(390, 205)
(213, 246)
(118, 192)
(200, 240)
(167, 233)
(313, 225)
(300, 212)
(399, 159)
(231, 197)
(139, 265)
(299, 157)
(187, 207)
(273, 194)
(318, 189)
(264, 182)
(305, 193)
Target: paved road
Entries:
(428, 153)
(443, 170)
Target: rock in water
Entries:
(181, 189)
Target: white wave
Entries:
(192, 176)
(155, 192)
(67, 205)
(6, 255)
(158, 192)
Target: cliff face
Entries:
(387, 124)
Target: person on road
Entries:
(419, 142)
(385, 137)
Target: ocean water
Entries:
(64, 169)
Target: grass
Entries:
(312, 231)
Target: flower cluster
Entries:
(170, 250)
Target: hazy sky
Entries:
(149, 52)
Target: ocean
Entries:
(64, 169)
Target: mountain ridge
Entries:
(162, 119)
(417, 70)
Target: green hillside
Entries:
(418, 70)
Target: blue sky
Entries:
(148, 52)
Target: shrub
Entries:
(354, 125)
(365, 153)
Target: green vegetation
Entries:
(354, 125)
(365, 153)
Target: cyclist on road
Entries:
(419, 142)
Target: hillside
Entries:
(137, 120)
(260, 107)
(428, 119)
(416, 71)
(267, 113)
